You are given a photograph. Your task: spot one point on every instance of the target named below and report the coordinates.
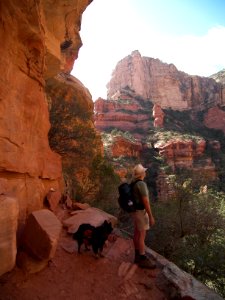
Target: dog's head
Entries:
(107, 227)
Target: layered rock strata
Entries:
(125, 147)
(164, 84)
(187, 154)
(40, 39)
(128, 113)
(30, 53)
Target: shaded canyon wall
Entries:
(39, 40)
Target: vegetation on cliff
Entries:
(190, 226)
(190, 230)
(87, 175)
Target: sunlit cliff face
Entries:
(39, 42)
(163, 84)
(41, 39)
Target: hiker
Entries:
(142, 217)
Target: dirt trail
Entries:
(83, 277)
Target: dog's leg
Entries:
(100, 251)
(101, 254)
(79, 246)
(95, 250)
(86, 243)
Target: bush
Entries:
(189, 231)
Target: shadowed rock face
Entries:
(40, 39)
(215, 118)
(164, 84)
(31, 34)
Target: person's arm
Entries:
(147, 206)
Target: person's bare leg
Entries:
(144, 262)
(136, 239)
(141, 246)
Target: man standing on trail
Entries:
(142, 217)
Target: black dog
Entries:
(84, 235)
(94, 236)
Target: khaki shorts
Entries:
(141, 220)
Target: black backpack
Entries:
(126, 200)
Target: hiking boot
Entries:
(145, 263)
(136, 257)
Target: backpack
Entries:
(126, 200)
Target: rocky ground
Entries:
(81, 276)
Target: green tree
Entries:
(190, 231)
(108, 182)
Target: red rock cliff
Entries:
(164, 84)
(39, 39)
(127, 113)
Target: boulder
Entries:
(177, 284)
(80, 206)
(8, 227)
(41, 234)
(29, 264)
(53, 197)
(91, 215)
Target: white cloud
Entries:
(111, 31)
(197, 55)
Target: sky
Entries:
(187, 33)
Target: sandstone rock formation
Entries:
(187, 154)
(91, 215)
(39, 39)
(127, 113)
(164, 84)
(34, 36)
(219, 77)
(158, 115)
(52, 199)
(179, 284)
(8, 223)
(125, 147)
(215, 118)
(39, 241)
(41, 234)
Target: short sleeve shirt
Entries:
(140, 190)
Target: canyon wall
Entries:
(39, 40)
(163, 84)
(32, 33)
(128, 113)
